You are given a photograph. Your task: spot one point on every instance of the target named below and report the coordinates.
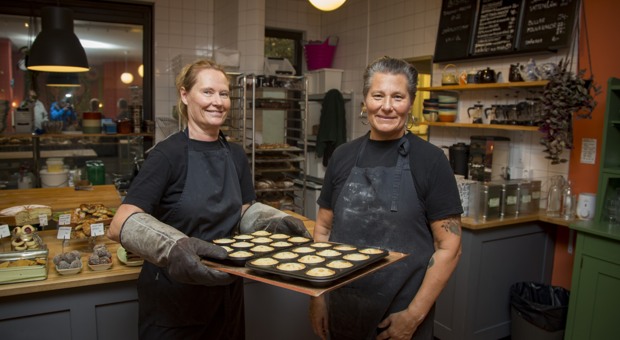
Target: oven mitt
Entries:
(260, 216)
(167, 247)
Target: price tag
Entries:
(96, 229)
(64, 219)
(43, 220)
(64, 233)
(4, 231)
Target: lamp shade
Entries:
(327, 5)
(57, 48)
(61, 79)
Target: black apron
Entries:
(379, 207)
(209, 208)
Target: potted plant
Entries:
(567, 95)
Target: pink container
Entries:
(321, 55)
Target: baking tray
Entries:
(23, 273)
(322, 259)
(301, 286)
(249, 242)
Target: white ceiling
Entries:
(102, 41)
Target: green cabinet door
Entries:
(595, 297)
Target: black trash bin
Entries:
(538, 311)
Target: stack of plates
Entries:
(447, 108)
(430, 111)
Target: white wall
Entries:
(367, 29)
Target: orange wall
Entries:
(601, 17)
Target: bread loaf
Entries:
(24, 214)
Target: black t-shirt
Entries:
(160, 182)
(431, 171)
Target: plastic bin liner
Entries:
(541, 305)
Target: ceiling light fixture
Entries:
(327, 5)
(57, 48)
(126, 77)
(60, 79)
(141, 70)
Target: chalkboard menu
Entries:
(480, 28)
(455, 27)
(496, 28)
(547, 24)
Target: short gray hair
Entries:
(392, 66)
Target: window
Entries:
(284, 44)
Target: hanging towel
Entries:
(332, 125)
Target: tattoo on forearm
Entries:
(452, 225)
(431, 262)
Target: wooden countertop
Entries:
(472, 224)
(61, 199)
(87, 277)
(119, 272)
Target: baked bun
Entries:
(304, 250)
(340, 264)
(291, 266)
(344, 247)
(371, 251)
(240, 254)
(320, 272)
(262, 240)
(242, 244)
(281, 244)
(285, 255)
(265, 261)
(356, 257)
(329, 253)
(298, 239)
(261, 249)
(311, 259)
(224, 241)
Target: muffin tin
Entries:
(319, 263)
(244, 247)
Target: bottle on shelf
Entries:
(569, 202)
(554, 199)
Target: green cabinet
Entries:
(595, 293)
(609, 180)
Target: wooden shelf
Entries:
(491, 86)
(483, 126)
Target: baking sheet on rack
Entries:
(304, 287)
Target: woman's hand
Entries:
(399, 325)
(318, 316)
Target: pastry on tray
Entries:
(320, 272)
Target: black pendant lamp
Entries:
(57, 48)
(61, 79)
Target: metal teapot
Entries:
(488, 76)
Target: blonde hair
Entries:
(187, 79)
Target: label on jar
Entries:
(511, 200)
(526, 199)
(536, 195)
(494, 202)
